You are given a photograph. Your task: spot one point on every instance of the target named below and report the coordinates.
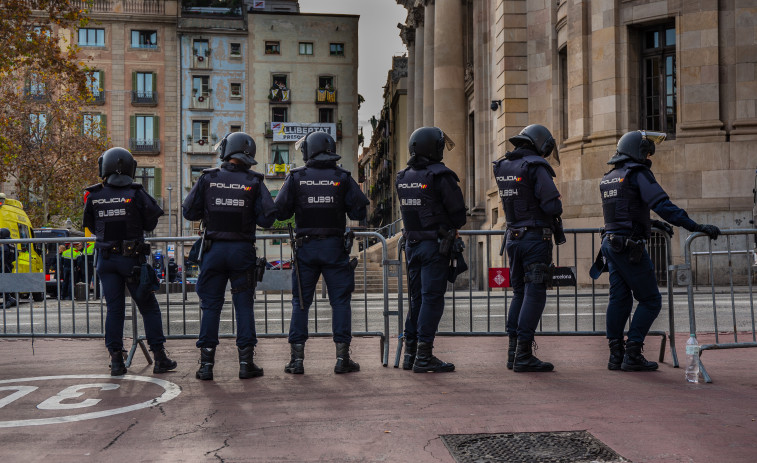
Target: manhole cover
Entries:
(530, 447)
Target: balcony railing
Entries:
(324, 96)
(127, 6)
(278, 170)
(199, 146)
(202, 102)
(144, 146)
(279, 95)
(141, 98)
(268, 130)
(201, 60)
(98, 98)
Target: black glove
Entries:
(710, 230)
(664, 226)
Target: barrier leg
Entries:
(135, 339)
(400, 342)
(702, 370)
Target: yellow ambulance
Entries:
(14, 218)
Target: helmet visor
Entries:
(298, 143)
(655, 137)
(554, 157)
(448, 143)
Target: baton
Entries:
(293, 244)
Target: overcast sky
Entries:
(378, 39)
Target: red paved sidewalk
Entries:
(378, 414)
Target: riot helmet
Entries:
(117, 167)
(636, 146)
(237, 145)
(5, 234)
(318, 146)
(540, 139)
(429, 143)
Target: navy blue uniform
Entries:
(231, 201)
(531, 201)
(319, 195)
(118, 214)
(430, 199)
(629, 191)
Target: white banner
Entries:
(293, 131)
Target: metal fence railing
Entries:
(737, 322)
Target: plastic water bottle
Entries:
(692, 359)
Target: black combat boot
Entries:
(525, 360)
(117, 366)
(634, 360)
(344, 363)
(512, 344)
(295, 365)
(207, 357)
(617, 351)
(248, 369)
(162, 362)
(425, 362)
(411, 347)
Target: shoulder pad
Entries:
(539, 161)
(298, 169)
(439, 168)
(636, 165)
(136, 186)
(210, 170)
(95, 187)
(343, 171)
(253, 174)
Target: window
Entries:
(89, 37)
(201, 48)
(144, 39)
(196, 173)
(93, 125)
(35, 86)
(279, 115)
(144, 134)
(279, 88)
(146, 176)
(272, 48)
(200, 86)
(95, 83)
(200, 132)
(38, 31)
(37, 125)
(280, 161)
(235, 128)
(236, 90)
(306, 48)
(145, 128)
(326, 115)
(280, 81)
(336, 49)
(326, 82)
(235, 49)
(658, 79)
(144, 84)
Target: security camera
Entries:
(496, 104)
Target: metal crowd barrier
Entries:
(576, 311)
(84, 316)
(741, 322)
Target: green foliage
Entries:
(283, 224)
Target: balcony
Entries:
(144, 146)
(324, 96)
(98, 98)
(201, 60)
(279, 95)
(278, 170)
(144, 98)
(201, 102)
(199, 146)
(268, 130)
(35, 94)
(125, 6)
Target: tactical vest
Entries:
(422, 210)
(229, 210)
(516, 190)
(117, 216)
(319, 200)
(624, 210)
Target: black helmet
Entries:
(540, 138)
(118, 165)
(319, 146)
(237, 145)
(429, 142)
(636, 146)
(4, 233)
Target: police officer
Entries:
(230, 200)
(8, 257)
(531, 203)
(119, 211)
(69, 265)
(629, 191)
(319, 194)
(432, 206)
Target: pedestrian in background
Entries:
(319, 195)
(119, 212)
(8, 258)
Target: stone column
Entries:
(449, 85)
(420, 49)
(410, 87)
(428, 64)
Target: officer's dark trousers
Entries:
(227, 261)
(325, 257)
(628, 281)
(113, 273)
(427, 277)
(529, 297)
(66, 274)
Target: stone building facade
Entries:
(591, 70)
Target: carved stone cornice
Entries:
(407, 34)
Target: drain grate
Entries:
(530, 447)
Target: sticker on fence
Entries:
(499, 277)
(564, 276)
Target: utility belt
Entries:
(308, 238)
(127, 248)
(516, 233)
(348, 239)
(634, 245)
